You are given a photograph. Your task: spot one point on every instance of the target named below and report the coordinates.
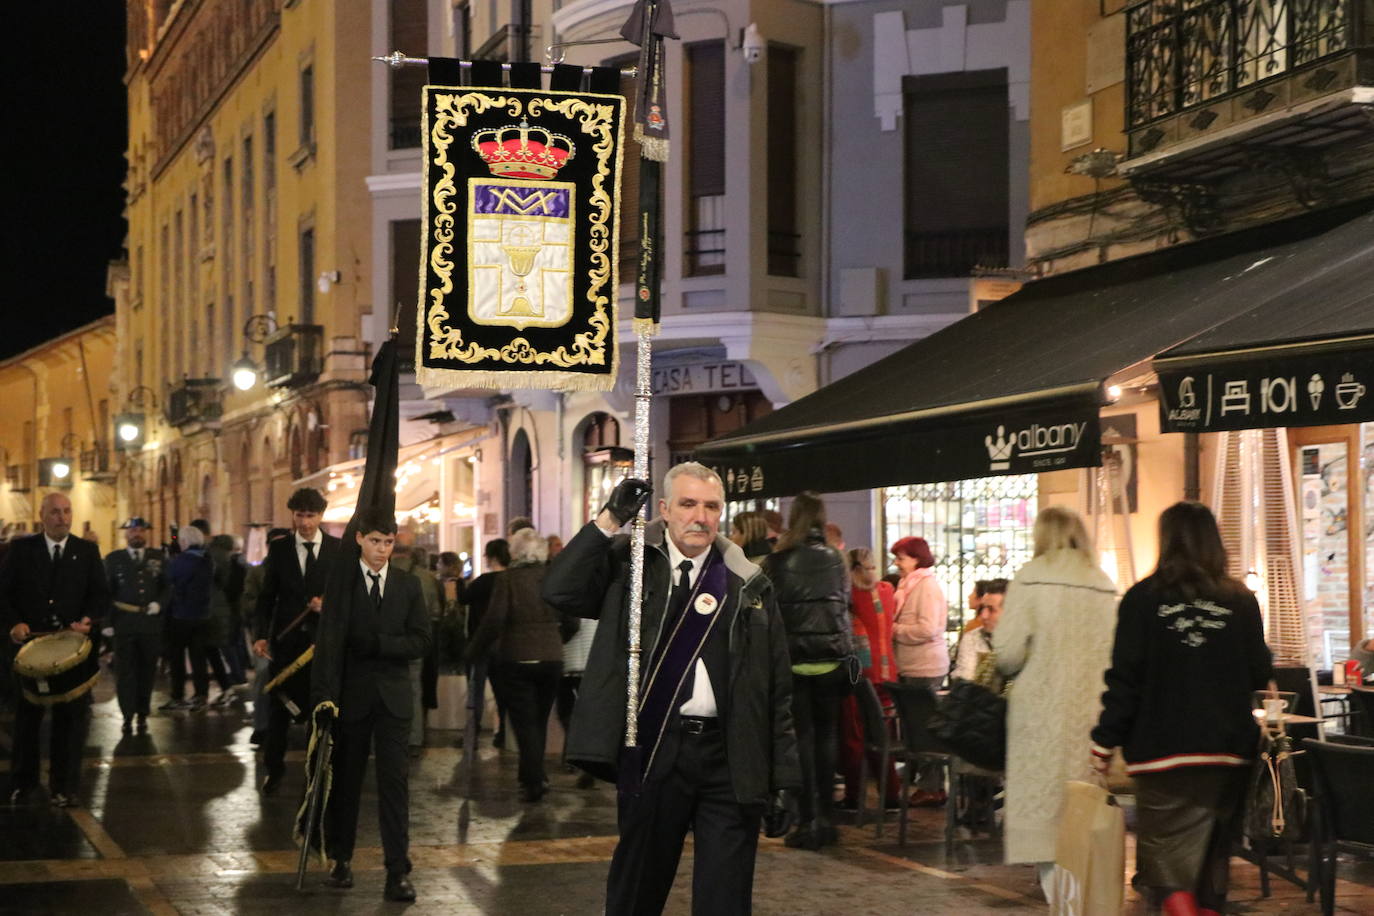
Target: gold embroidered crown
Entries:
(521, 151)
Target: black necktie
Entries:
(375, 593)
(56, 558)
(309, 557)
(677, 601)
(138, 558)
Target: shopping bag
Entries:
(1089, 854)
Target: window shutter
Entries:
(706, 118)
(409, 31)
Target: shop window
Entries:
(604, 462)
(977, 529)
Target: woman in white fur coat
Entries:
(1055, 639)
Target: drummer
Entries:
(293, 580)
(51, 581)
(138, 579)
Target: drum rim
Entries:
(66, 696)
(49, 669)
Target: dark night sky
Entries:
(65, 127)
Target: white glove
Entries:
(154, 608)
(108, 632)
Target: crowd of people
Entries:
(751, 646)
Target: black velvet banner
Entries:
(518, 275)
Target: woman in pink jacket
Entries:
(918, 636)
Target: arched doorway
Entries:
(520, 478)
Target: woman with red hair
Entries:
(918, 635)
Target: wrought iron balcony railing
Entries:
(196, 400)
(294, 355)
(1181, 54)
(95, 462)
(19, 477)
(955, 252)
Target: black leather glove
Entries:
(628, 497)
(781, 815)
(325, 716)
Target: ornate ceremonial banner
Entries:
(518, 281)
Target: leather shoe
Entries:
(341, 875)
(142, 724)
(127, 728)
(65, 800)
(398, 888)
(271, 783)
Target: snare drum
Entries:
(291, 686)
(56, 668)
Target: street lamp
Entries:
(130, 424)
(244, 372)
(57, 472)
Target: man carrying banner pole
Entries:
(372, 624)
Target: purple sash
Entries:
(669, 670)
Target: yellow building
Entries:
(55, 432)
(1180, 136)
(248, 240)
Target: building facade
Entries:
(1156, 125)
(247, 245)
(57, 433)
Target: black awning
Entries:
(1032, 365)
(1302, 355)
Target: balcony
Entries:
(511, 42)
(955, 252)
(196, 400)
(96, 463)
(1207, 81)
(19, 477)
(294, 355)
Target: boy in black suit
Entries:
(288, 609)
(362, 664)
(51, 581)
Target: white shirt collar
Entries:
(52, 543)
(316, 540)
(675, 557)
(369, 571)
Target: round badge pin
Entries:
(705, 604)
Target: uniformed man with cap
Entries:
(139, 590)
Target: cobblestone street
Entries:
(173, 824)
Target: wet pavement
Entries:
(173, 823)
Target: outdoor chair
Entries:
(877, 740)
(914, 708)
(1345, 806)
(1362, 711)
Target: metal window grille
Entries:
(977, 529)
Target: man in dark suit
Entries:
(362, 664)
(716, 749)
(139, 592)
(288, 609)
(51, 581)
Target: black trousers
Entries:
(355, 739)
(1186, 821)
(694, 791)
(186, 637)
(67, 739)
(568, 686)
(816, 704)
(136, 655)
(529, 689)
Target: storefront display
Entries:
(977, 529)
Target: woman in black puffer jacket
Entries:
(812, 587)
